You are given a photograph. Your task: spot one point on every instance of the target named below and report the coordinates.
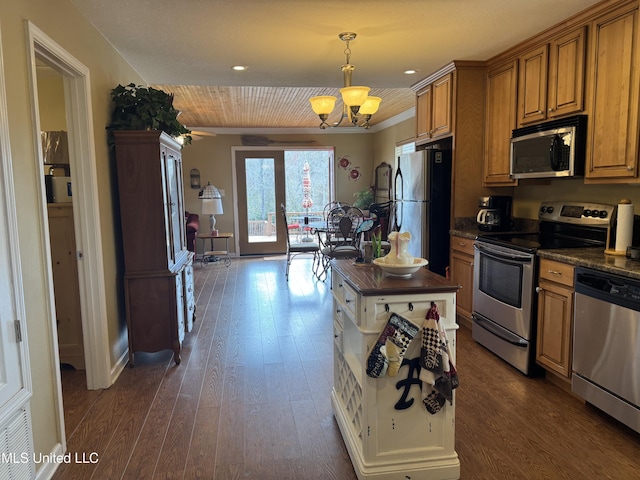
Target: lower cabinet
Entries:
(189, 297)
(462, 274)
(555, 317)
(387, 430)
(66, 287)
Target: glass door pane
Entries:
(261, 186)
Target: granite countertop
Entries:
(594, 258)
(579, 257)
(466, 227)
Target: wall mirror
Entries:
(382, 185)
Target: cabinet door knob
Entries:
(538, 290)
(629, 168)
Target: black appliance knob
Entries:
(603, 214)
(587, 212)
(549, 209)
(543, 210)
(595, 213)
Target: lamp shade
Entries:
(212, 206)
(354, 96)
(370, 105)
(209, 191)
(323, 105)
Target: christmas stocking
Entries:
(438, 374)
(387, 353)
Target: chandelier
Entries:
(358, 105)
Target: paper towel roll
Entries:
(624, 227)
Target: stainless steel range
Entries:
(505, 275)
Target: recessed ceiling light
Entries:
(239, 68)
(410, 72)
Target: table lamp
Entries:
(211, 205)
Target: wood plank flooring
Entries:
(250, 400)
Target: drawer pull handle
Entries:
(555, 272)
(410, 307)
(462, 244)
(386, 307)
(347, 301)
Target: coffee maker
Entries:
(494, 214)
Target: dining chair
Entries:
(341, 239)
(294, 249)
(382, 216)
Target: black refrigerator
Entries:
(422, 194)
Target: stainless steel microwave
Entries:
(550, 149)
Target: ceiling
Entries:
(293, 52)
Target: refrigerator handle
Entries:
(399, 195)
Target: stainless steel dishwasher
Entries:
(606, 344)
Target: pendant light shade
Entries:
(354, 96)
(370, 106)
(323, 105)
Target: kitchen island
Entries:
(387, 429)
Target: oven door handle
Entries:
(503, 256)
(507, 337)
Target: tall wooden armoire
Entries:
(158, 268)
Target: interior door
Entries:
(260, 179)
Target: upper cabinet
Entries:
(612, 148)
(500, 121)
(450, 113)
(433, 109)
(532, 85)
(551, 79)
(567, 64)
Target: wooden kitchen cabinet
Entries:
(501, 110)
(551, 79)
(158, 281)
(434, 109)
(555, 317)
(567, 64)
(462, 274)
(460, 86)
(614, 87)
(532, 85)
(66, 287)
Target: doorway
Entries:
(299, 178)
(100, 373)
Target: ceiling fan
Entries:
(200, 134)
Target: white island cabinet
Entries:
(387, 430)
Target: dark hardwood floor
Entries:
(251, 400)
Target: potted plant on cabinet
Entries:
(138, 107)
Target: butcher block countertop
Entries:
(369, 280)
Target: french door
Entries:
(299, 177)
(260, 182)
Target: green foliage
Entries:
(145, 108)
(363, 198)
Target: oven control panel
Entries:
(579, 213)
